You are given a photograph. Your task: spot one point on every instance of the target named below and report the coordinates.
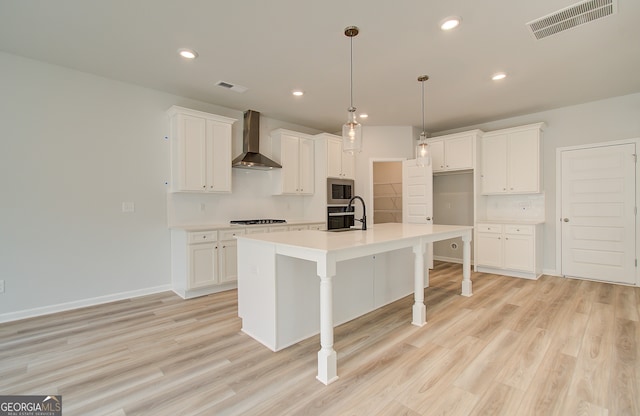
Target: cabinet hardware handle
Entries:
(566, 220)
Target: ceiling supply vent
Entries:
(572, 16)
(233, 87)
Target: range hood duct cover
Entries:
(251, 158)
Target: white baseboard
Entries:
(61, 307)
(448, 259)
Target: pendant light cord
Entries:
(351, 81)
(422, 107)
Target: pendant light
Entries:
(351, 130)
(423, 156)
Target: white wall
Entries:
(599, 121)
(74, 147)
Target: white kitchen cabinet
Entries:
(200, 151)
(204, 261)
(339, 163)
(511, 161)
(510, 249)
(295, 152)
(454, 151)
(228, 254)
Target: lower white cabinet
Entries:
(509, 248)
(202, 260)
(206, 261)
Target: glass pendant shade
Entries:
(352, 134)
(423, 156)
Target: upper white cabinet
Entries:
(454, 151)
(200, 151)
(511, 161)
(339, 163)
(295, 152)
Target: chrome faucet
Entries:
(364, 212)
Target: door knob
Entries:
(565, 219)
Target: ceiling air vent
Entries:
(572, 16)
(232, 87)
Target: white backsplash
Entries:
(251, 198)
(513, 207)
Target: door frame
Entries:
(558, 212)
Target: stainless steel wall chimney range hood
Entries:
(251, 158)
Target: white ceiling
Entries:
(275, 46)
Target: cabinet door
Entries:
(436, 149)
(193, 151)
(348, 165)
(458, 153)
(489, 250)
(494, 164)
(203, 265)
(524, 162)
(290, 164)
(228, 261)
(519, 252)
(218, 164)
(334, 158)
(306, 166)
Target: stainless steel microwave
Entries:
(339, 191)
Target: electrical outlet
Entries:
(128, 207)
(1, 286)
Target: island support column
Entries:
(327, 358)
(419, 308)
(466, 264)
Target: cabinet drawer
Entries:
(231, 234)
(489, 228)
(278, 228)
(258, 230)
(519, 229)
(203, 237)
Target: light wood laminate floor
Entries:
(517, 347)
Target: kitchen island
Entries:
(281, 300)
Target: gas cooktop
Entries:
(260, 221)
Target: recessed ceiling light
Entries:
(298, 93)
(498, 76)
(364, 115)
(450, 22)
(188, 53)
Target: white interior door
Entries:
(417, 196)
(598, 213)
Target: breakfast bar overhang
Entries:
(275, 290)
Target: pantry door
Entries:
(417, 197)
(598, 219)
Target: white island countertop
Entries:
(338, 241)
(274, 286)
